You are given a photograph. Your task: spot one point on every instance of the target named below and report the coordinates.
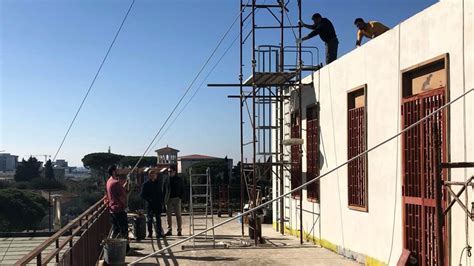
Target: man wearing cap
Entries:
(324, 28)
(152, 193)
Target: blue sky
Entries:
(51, 49)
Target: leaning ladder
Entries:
(201, 209)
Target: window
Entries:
(295, 155)
(312, 151)
(357, 144)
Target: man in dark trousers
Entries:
(176, 188)
(117, 202)
(324, 28)
(152, 194)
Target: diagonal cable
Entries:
(93, 80)
(187, 91)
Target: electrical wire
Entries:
(93, 80)
(186, 92)
(197, 90)
(202, 83)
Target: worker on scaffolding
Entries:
(369, 29)
(324, 28)
(152, 193)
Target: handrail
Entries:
(78, 222)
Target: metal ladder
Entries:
(201, 210)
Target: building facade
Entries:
(8, 162)
(382, 203)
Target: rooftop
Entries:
(167, 149)
(277, 250)
(197, 157)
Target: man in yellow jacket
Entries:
(369, 29)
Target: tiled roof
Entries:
(197, 157)
(167, 149)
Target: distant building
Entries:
(184, 162)
(167, 156)
(8, 162)
(61, 163)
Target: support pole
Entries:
(438, 194)
(242, 183)
(281, 125)
(254, 137)
(300, 91)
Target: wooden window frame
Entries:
(313, 191)
(351, 109)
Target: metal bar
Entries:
(438, 194)
(289, 83)
(263, 6)
(446, 210)
(312, 180)
(276, 27)
(241, 118)
(454, 183)
(254, 89)
(457, 165)
(451, 192)
(300, 62)
(262, 97)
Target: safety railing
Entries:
(77, 243)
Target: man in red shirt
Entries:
(117, 202)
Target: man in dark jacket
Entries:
(324, 28)
(176, 188)
(152, 193)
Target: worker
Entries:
(369, 29)
(117, 202)
(324, 28)
(153, 195)
(176, 189)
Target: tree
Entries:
(219, 170)
(27, 170)
(48, 170)
(131, 161)
(100, 161)
(21, 210)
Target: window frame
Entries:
(314, 196)
(351, 106)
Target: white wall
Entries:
(378, 233)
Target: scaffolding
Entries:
(267, 96)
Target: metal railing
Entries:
(77, 243)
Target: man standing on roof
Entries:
(369, 29)
(117, 202)
(176, 189)
(152, 193)
(324, 28)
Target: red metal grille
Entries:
(295, 156)
(418, 174)
(357, 169)
(312, 153)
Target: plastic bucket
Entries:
(115, 251)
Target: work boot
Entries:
(150, 234)
(179, 233)
(169, 233)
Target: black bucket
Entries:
(139, 227)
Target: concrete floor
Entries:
(279, 250)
